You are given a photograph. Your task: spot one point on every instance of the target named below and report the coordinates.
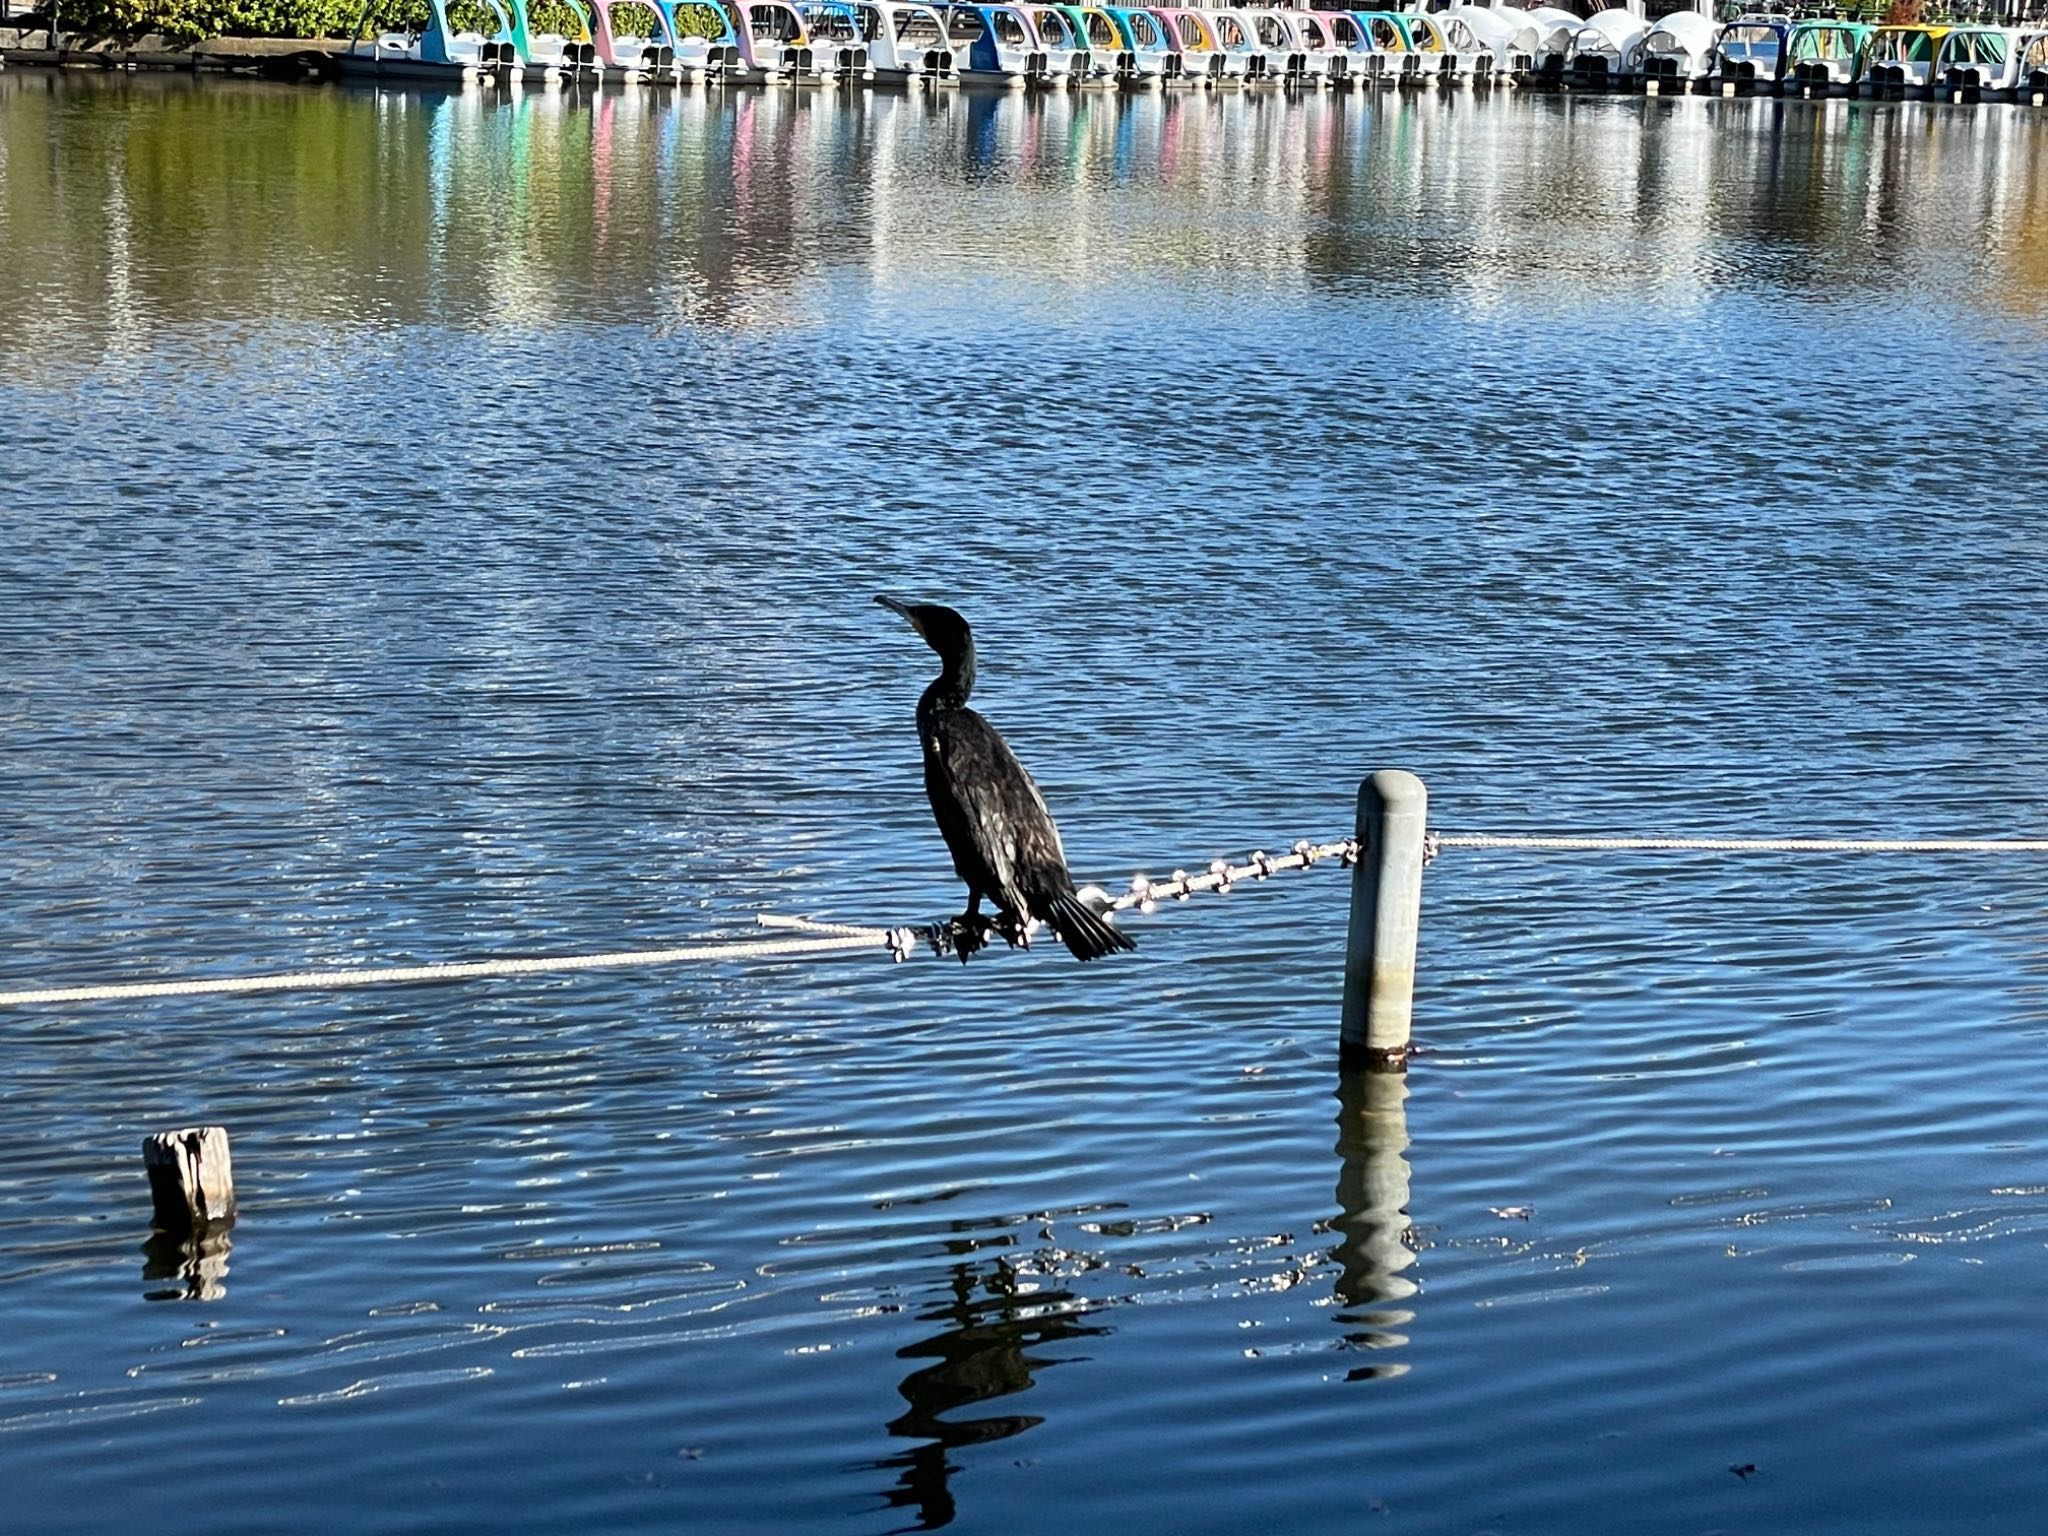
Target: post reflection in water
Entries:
(1376, 1245)
(992, 1324)
(199, 1265)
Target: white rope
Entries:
(1144, 894)
(812, 925)
(463, 970)
(1748, 844)
(830, 938)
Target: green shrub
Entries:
(475, 16)
(187, 21)
(634, 20)
(699, 21)
(191, 20)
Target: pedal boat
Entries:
(1189, 32)
(2034, 68)
(1678, 55)
(698, 58)
(1322, 62)
(1445, 50)
(625, 59)
(1607, 52)
(1145, 56)
(1246, 59)
(1827, 58)
(768, 46)
(1752, 54)
(1295, 44)
(439, 53)
(1415, 47)
(1901, 62)
(1469, 56)
(1386, 33)
(1509, 38)
(551, 56)
(1555, 29)
(1192, 41)
(1356, 62)
(1068, 55)
(1979, 64)
(1371, 63)
(995, 45)
(1098, 32)
(838, 49)
(906, 43)
(1433, 61)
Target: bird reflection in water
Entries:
(993, 1326)
(1376, 1241)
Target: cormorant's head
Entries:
(943, 629)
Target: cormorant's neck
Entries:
(950, 688)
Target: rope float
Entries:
(821, 938)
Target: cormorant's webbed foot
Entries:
(1016, 931)
(969, 933)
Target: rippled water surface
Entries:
(446, 526)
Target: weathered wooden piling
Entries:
(191, 1180)
(1386, 914)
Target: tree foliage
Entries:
(191, 20)
(188, 21)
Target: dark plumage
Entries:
(995, 822)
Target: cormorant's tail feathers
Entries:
(1085, 931)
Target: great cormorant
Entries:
(995, 822)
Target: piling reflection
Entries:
(197, 1267)
(994, 1323)
(764, 210)
(1376, 1244)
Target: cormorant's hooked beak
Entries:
(902, 610)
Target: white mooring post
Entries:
(191, 1180)
(1386, 914)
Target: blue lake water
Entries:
(438, 527)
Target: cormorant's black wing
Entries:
(994, 820)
